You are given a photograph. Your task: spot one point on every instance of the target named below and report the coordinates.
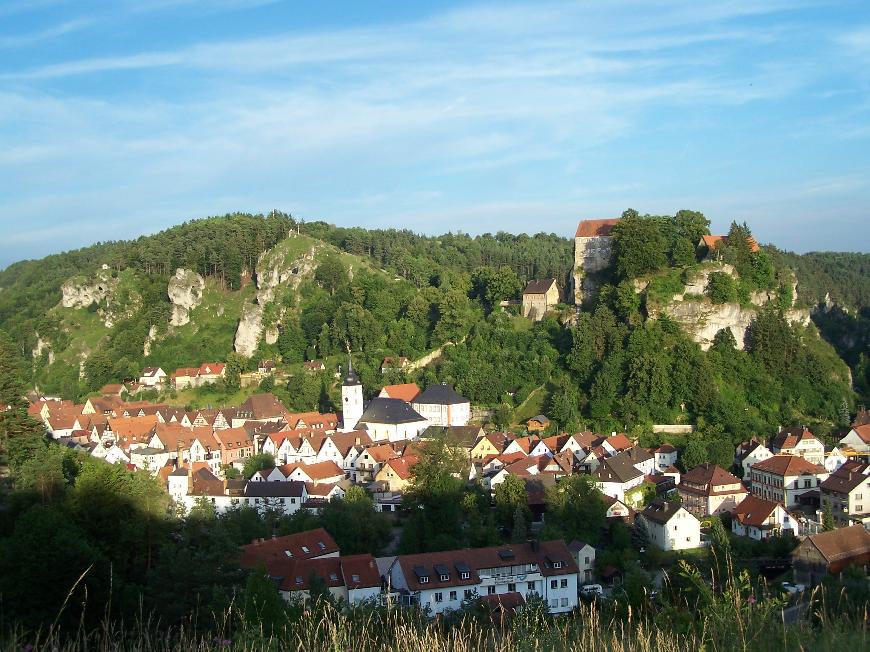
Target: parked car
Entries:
(793, 589)
(590, 590)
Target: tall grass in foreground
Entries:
(327, 628)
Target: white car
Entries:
(590, 590)
(793, 589)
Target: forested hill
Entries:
(272, 287)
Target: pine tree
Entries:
(520, 532)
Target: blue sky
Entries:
(123, 117)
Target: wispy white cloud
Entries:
(22, 40)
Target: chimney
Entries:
(613, 434)
(358, 441)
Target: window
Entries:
(587, 560)
(554, 603)
(464, 575)
(439, 596)
(564, 583)
(453, 595)
(424, 580)
(490, 590)
(444, 577)
(512, 587)
(530, 586)
(554, 584)
(557, 564)
(859, 508)
(467, 594)
(564, 602)
(857, 496)
(305, 549)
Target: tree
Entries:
(691, 225)
(564, 404)
(492, 285)
(695, 453)
(639, 246)
(331, 273)
(234, 368)
(509, 496)
(355, 524)
(575, 508)
(827, 517)
(354, 327)
(304, 391)
(257, 463)
(721, 288)
(263, 606)
(519, 531)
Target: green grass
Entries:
(532, 406)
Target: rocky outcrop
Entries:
(249, 330)
(79, 293)
(277, 273)
(149, 340)
(41, 346)
(185, 292)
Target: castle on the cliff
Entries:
(592, 254)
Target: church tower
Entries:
(351, 399)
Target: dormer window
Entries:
(305, 549)
(444, 578)
(424, 579)
(464, 575)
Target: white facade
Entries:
(681, 532)
(351, 405)
(380, 432)
(457, 414)
(665, 460)
(760, 454)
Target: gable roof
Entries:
(262, 406)
(847, 478)
(301, 545)
(405, 391)
(754, 511)
(791, 437)
(661, 511)
(539, 286)
(785, 465)
(618, 468)
(453, 563)
(863, 432)
(591, 228)
(841, 543)
(710, 241)
(711, 475)
(402, 466)
(442, 394)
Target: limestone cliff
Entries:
(279, 270)
(185, 293)
(77, 292)
(701, 319)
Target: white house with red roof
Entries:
(760, 519)
(152, 377)
(783, 478)
(799, 441)
(858, 439)
(442, 580)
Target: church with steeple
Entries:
(351, 399)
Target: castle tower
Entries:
(351, 399)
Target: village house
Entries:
(834, 459)
(783, 478)
(760, 519)
(710, 489)
(210, 372)
(616, 477)
(490, 444)
(394, 364)
(441, 405)
(371, 460)
(799, 441)
(112, 389)
(184, 377)
(584, 555)
(642, 459)
(539, 297)
(313, 366)
(749, 453)
(671, 526)
(152, 377)
(847, 491)
(537, 424)
(616, 509)
(858, 439)
(396, 473)
(263, 408)
(442, 580)
(830, 553)
(709, 246)
(665, 457)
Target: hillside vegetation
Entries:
(270, 293)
